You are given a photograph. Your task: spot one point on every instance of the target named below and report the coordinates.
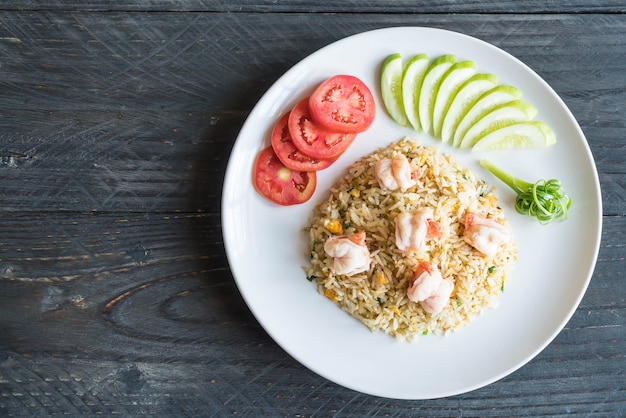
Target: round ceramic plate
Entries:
(267, 248)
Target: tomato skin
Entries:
(287, 152)
(280, 184)
(313, 140)
(343, 103)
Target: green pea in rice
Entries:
(378, 297)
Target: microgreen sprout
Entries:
(545, 200)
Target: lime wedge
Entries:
(501, 116)
(533, 134)
(428, 92)
(391, 88)
(450, 83)
(411, 83)
(485, 103)
(465, 97)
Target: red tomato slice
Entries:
(287, 152)
(313, 140)
(343, 103)
(278, 183)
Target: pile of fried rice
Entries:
(378, 296)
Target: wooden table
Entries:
(117, 120)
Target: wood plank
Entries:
(89, 161)
(93, 120)
(58, 247)
(332, 6)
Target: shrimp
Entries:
(439, 299)
(397, 172)
(412, 230)
(351, 255)
(424, 283)
(429, 288)
(484, 234)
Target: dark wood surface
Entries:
(117, 121)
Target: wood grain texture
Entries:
(115, 293)
(334, 6)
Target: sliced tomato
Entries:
(280, 184)
(287, 152)
(312, 139)
(343, 103)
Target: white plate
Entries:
(266, 247)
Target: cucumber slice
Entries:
(411, 83)
(519, 135)
(465, 97)
(428, 92)
(503, 115)
(487, 102)
(450, 83)
(391, 88)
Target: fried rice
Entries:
(378, 296)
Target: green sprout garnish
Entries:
(545, 200)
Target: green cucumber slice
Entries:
(411, 83)
(486, 102)
(465, 97)
(450, 83)
(501, 116)
(428, 92)
(391, 88)
(531, 134)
